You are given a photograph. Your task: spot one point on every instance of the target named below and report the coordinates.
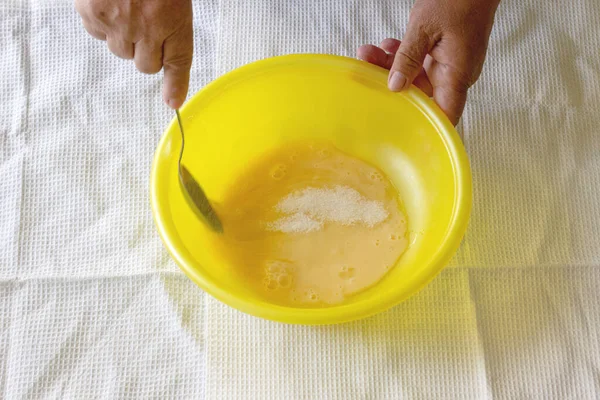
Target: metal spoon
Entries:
(193, 193)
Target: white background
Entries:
(91, 306)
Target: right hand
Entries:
(154, 33)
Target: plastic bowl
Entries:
(345, 102)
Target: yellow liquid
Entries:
(321, 267)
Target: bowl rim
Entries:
(344, 312)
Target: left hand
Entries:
(442, 52)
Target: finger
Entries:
(390, 45)
(375, 55)
(177, 61)
(409, 58)
(148, 56)
(120, 48)
(451, 99)
(94, 32)
(423, 83)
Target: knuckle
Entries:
(419, 26)
(95, 34)
(422, 29)
(459, 87)
(180, 62)
(97, 9)
(120, 48)
(424, 23)
(407, 62)
(148, 68)
(120, 53)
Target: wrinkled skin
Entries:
(442, 52)
(156, 34)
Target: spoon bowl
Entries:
(192, 191)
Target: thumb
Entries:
(410, 56)
(178, 52)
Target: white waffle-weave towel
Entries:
(517, 315)
(91, 306)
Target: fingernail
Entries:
(396, 82)
(172, 103)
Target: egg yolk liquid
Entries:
(307, 225)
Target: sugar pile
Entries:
(298, 222)
(309, 209)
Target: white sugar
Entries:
(309, 209)
(299, 222)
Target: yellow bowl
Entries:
(346, 102)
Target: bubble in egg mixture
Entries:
(347, 272)
(270, 284)
(312, 295)
(376, 176)
(324, 152)
(278, 274)
(278, 171)
(321, 226)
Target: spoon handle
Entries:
(192, 191)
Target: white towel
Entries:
(91, 306)
(516, 316)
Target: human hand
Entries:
(154, 33)
(442, 52)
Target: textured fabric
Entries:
(517, 314)
(91, 306)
